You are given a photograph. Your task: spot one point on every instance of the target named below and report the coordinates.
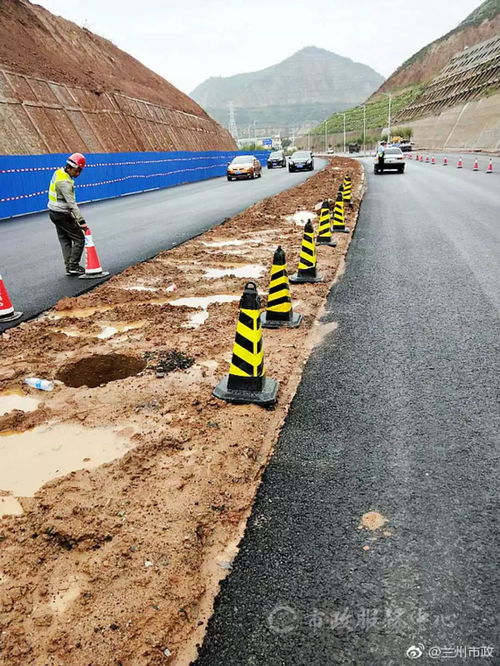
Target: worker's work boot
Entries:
(75, 270)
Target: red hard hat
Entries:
(77, 160)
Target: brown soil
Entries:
(38, 43)
(120, 564)
(64, 89)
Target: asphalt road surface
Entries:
(126, 231)
(397, 417)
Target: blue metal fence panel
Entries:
(24, 179)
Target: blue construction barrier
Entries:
(24, 179)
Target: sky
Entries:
(188, 41)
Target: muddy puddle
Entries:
(201, 303)
(300, 217)
(16, 399)
(229, 243)
(10, 506)
(30, 459)
(247, 271)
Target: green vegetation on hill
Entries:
(376, 113)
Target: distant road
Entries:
(126, 231)
(372, 538)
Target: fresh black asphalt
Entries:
(126, 231)
(397, 413)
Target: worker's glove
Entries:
(83, 225)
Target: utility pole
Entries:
(364, 129)
(344, 132)
(254, 133)
(233, 129)
(389, 95)
(326, 135)
(389, 123)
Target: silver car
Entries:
(393, 159)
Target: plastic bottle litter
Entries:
(37, 383)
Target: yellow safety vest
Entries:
(59, 174)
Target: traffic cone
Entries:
(93, 269)
(421, 158)
(427, 158)
(246, 381)
(324, 236)
(460, 163)
(489, 168)
(308, 259)
(476, 165)
(445, 161)
(347, 189)
(339, 214)
(7, 312)
(279, 310)
(433, 161)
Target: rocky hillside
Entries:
(63, 88)
(481, 24)
(300, 91)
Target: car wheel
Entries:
(269, 166)
(260, 174)
(229, 178)
(401, 169)
(375, 170)
(290, 170)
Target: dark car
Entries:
(277, 158)
(301, 160)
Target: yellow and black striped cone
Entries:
(347, 189)
(324, 236)
(338, 213)
(279, 302)
(308, 259)
(246, 381)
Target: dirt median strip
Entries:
(119, 562)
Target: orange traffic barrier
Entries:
(93, 268)
(7, 312)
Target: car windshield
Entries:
(275, 155)
(242, 159)
(301, 154)
(393, 151)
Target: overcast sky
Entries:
(187, 41)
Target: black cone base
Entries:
(93, 276)
(344, 230)
(267, 396)
(298, 278)
(294, 322)
(11, 317)
(329, 242)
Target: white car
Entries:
(393, 159)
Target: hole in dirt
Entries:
(100, 369)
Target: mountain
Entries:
(480, 25)
(298, 92)
(63, 88)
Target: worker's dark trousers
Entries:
(381, 164)
(71, 238)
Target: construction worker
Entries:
(381, 156)
(66, 215)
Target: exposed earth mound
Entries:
(63, 88)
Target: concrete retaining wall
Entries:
(474, 125)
